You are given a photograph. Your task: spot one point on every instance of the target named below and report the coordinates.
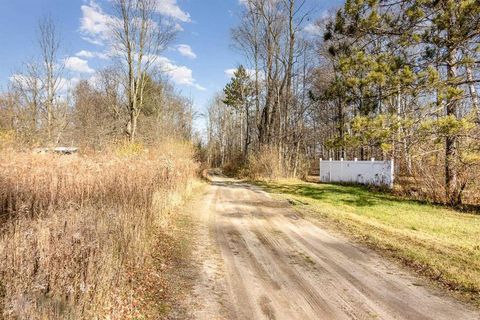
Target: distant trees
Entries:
(100, 112)
(239, 94)
(275, 104)
(166, 113)
(37, 89)
(50, 76)
(223, 132)
(93, 124)
(385, 79)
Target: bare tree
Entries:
(50, 71)
(270, 36)
(27, 86)
(139, 36)
(41, 113)
(110, 80)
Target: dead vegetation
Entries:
(264, 164)
(75, 231)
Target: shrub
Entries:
(264, 164)
(7, 139)
(234, 167)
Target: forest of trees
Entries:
(128, 100)
(380, 79)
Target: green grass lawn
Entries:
(440, 243)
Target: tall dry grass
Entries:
(267, 164)
(264, 164)
(74, 229)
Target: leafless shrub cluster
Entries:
(266, 165)
(426, 180)
(74, 230)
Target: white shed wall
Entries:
(364, 172)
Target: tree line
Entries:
(264, 108)
(130, 99)
(383, 79)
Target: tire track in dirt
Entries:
(400, 294)
(259, 282)
(268, 263)
(318, 276)
(262, 255)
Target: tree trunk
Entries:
(133, 127)
(451, 150)
(473, 93)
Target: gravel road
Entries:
(259, 259)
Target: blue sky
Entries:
(201, 53)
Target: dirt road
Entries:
(260, 260)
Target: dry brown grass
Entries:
(267, 164)
(75, 230)
(264, 164)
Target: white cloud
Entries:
(186, 51)
(248, 3)
(181, 75)
(230, 72)
(78, 65)
(313, 29)
(171, 9)
(91, 54)
(177, 27)
(95, 80)
(85, 54)
(95, 26)
(94, 23)
(19, 79)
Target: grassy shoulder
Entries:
(440, 243)
(165, 283)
